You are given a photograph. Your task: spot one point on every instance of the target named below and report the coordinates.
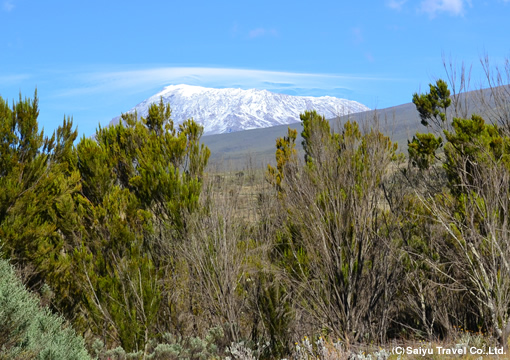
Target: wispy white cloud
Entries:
(435, 7)
(234, 29)
(357, 35)
(259, 32)
(8, 5)
(451, 7)
(396, 4)
(13, 78)
(140, 80)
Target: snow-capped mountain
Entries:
(228, 110)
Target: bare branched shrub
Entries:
(216, 251)
(496, 99)
(478, 244)
(490, 98)
(472, 204)
(342, 249)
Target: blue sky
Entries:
(95, 59)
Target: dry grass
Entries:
(409, 350)
(246, 186)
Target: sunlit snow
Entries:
(228, 110)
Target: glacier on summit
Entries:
(229, 110)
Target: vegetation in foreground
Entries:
(353, 249)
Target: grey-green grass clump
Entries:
(28, 331)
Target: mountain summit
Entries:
(228, 110)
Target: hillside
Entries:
(399, 122)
